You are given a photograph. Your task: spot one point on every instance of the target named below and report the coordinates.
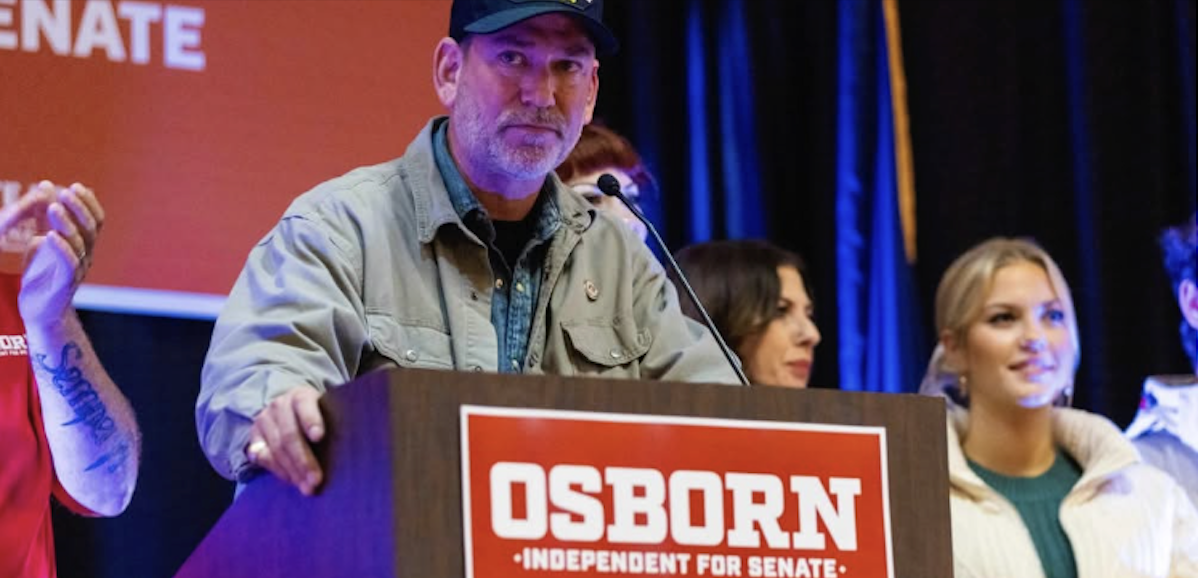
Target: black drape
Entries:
(1067, 121)
(156, 362)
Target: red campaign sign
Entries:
(572, 494)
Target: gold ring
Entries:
(255, 448)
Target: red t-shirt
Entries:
(26, 468)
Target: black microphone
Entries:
(611, 187)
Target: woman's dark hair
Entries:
(599, 148)
(1179, 247)
(737, 281)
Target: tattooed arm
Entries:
(90, 426)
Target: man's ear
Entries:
(447, 65)
(1187, 300)
(593, 94)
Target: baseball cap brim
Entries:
(605, 41)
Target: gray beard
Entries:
(527, 162)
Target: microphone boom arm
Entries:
(611, 187)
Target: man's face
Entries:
(522, 97)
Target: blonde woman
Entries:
(1039, 489)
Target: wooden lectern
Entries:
(391, 504)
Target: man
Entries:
(466, 253)
(1165, 429)
(65, 428)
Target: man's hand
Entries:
(280, 435)
(58, 260)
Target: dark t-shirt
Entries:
(511, 237)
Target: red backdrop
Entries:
(194, 166)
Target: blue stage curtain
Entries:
(718, 139)
(880, 324)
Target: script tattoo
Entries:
(89, 409)
(115, 459)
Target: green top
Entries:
(1038, 501)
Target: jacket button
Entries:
(476, 368)
(616, 354)
(411, 355)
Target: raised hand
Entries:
(58, 260)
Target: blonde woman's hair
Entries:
(962, 293)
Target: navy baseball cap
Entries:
(487, 16)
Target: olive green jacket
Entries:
(375, 269)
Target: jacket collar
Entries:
(434, 208)
(1090, 439)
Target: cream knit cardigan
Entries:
(1124, 518)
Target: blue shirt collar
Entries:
(545, 212)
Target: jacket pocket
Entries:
(606, 343)
(410, 345)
